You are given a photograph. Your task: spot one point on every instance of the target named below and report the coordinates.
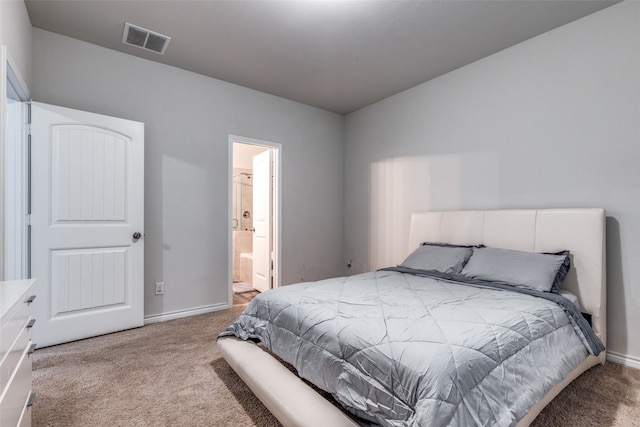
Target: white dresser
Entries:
(16, 347)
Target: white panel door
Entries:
(262, 201)
(87, 190)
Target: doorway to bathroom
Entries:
(254, 207)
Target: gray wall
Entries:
(15, 32)
(551, 122)
(188, 118)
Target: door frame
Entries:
(277, 209)
(10, 74)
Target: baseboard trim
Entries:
(623, 359)
(156, 318)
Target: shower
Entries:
(242, 224)
(242, 201)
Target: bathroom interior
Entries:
(242, 216)
(242, 235)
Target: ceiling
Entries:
(335, 55)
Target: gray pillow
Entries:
(563, 271)
(442, 258)
(523, 269)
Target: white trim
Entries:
(3, 97)
(277, 208)
(9, 72)
(230, 221)
(15, 191)
(14, 76)
(157, 318)
(623, 359)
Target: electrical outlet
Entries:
(159, 288)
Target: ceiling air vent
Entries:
(145, 39)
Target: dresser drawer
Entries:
(9, 331)
(25, 421)
(14, 400)
(13, 356)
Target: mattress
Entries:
(403, 349)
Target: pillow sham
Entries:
(450, 245)
(563, 271)
(439, 257)
(536, 271)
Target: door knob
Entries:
(137, 235)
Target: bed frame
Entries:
(582, 231)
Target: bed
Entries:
(550, 231)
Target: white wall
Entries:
(15, 32)
(551, 122)
(188, 119)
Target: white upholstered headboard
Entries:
(581, 231)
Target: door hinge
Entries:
(27, 128)
(27, 220)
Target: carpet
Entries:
(171, 374)
(163, 374)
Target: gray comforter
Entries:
(401, 349)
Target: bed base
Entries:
(588, 363)
(286, 396)
(295, 404)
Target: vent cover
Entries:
(145, 39)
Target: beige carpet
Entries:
(171, 374)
